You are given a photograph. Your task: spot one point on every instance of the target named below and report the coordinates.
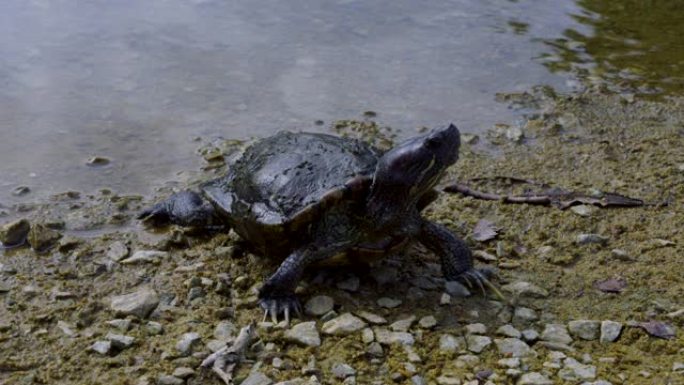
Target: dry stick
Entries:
(226, 359)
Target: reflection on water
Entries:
(631, 45)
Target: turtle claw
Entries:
(286, 305)
(481, 278)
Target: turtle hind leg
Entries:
(185, 208)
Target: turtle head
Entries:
(411, 169)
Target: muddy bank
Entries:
(63, 310)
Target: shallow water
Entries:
(136, 81)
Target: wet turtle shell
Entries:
(283, 184)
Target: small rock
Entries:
(349, 284)
(139, 303)
(14, 233)
(556, 333)
(145, 256)
(388, 303)
(117, 251)
(678, 367)
(102, 347)
(583, 210)
(371, 318)
(66, 329)
(513, 347)
(449, 343)
(467, 361)
(120, 341)
(169, 380)
(42, 238)
(508, 331)
(448, 380)
(154, 328)
(97, 161)
(225, 330)
(428, 322)
(387, 337)
(484, 256)
(343, 325)
(342, 371)
(121, 324)
(585, 239)
(304, 333)
(187, 342)
(513, 362)
(477, 344)
(21, 190)
(530, 335)
(183, 372)
(584, 329)
(477, 328)
(610, 331)
(445, 299)
(411, 354)
(319, 305)
(418, 380)
(575, 371)
(367, 336)
(403, 324)
(525, 289)
(456, 289)
(534, 378)
(621, 255)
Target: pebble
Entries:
(372, 318)
(428, 322)
(350, 284)
(388, 303)
(456, 289)
(183, 372)
(367, 336)
(530, 335)
(575, 371)
(449, 343)
(304, 333)
(145, 256)
(21, 190)
(411, 354)
(139, 303)
(477, 328)
(387, 337)
(525, 289)
(585, 239)
(508, 331)
(42, 238)
(584, 329)
(345, 324)
(477, 344)
(342, 370)
(14, 233)
(534, 378)
(169, 380)
(584, 210)
(467, 361)
(513, 347)
(403, 324)
(418, 380)
(375, 349)
(678, 367)
(484, 256)
(513, 362)
(120, 341)
(66, 329)
(448, 380)
(610, 331)
(319, 305)
(154, 328)
(117, 251)
(620, 255)
(102, 347)
(556, 333)
(445, 299)
(225, 330)
(186, 343)
(96, 161)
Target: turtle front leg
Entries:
(277, 295)
(185, 208)
(455, 256)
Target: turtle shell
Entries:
(284, 183)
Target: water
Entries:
(136, 81)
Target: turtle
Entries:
(309, 197)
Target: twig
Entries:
(224, 361)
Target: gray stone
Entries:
(449, 343)
(513, 347)
(508, 331)
(534, 378)
(117, 251)
(418, 380)
(477, 328)
(342, 370)
(225, 330)
(371, 318)
(367, 336)
(375, 349)
(41, 237)
(67, 329)
(139, 303)
(349, 284)
(530, 335)
(556, 333)
(575, 371)
(584, 329)
(14, 233)
(585, 239)
(169, 380)
(345, 324)
(620, 255)
(583, 210)
(445, 299)
(513, 362)
(319, 305)
(610, 331)
(477, 344)
(102, 347)
(387, 337)
(411, 354)
(456, 289)
(121, 324)
(120, 341)
(525, 289)
(145, 256)
(428, 322)
(183, 372)
(403, 325)
(388, 303)
(448, 380)
(257, 378)
(304, 333)
(678, 367)
(154, 328)
(187, 342)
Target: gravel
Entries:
(304, 333)
(345, 324)
(139, 303)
